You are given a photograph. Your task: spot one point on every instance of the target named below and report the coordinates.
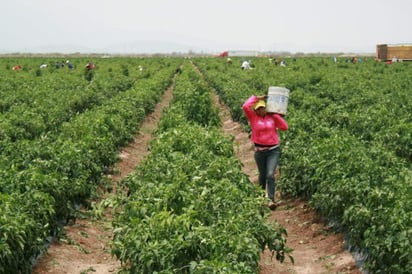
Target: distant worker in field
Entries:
(283, 63)
(17, 67)
(245, 65)
(229, 61)
(43, 66)
(59, 64)
(394, 59)
(266, 140)
(90, 66)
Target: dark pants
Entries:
(267, 161)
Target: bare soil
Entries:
(86, 247)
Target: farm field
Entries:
(348, 153)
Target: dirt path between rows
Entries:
(85, 248)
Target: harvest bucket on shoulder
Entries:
(277, 100)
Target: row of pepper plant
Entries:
(187, 207)
(349, 146)
(60, 134)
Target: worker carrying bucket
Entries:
(277, 100)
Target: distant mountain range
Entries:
(150, 47)
(144, 47)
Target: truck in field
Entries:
(387, 52)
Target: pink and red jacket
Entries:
(264, 129)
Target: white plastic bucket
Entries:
(277, 100)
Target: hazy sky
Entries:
(203, 25)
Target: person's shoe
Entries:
(272, 205)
